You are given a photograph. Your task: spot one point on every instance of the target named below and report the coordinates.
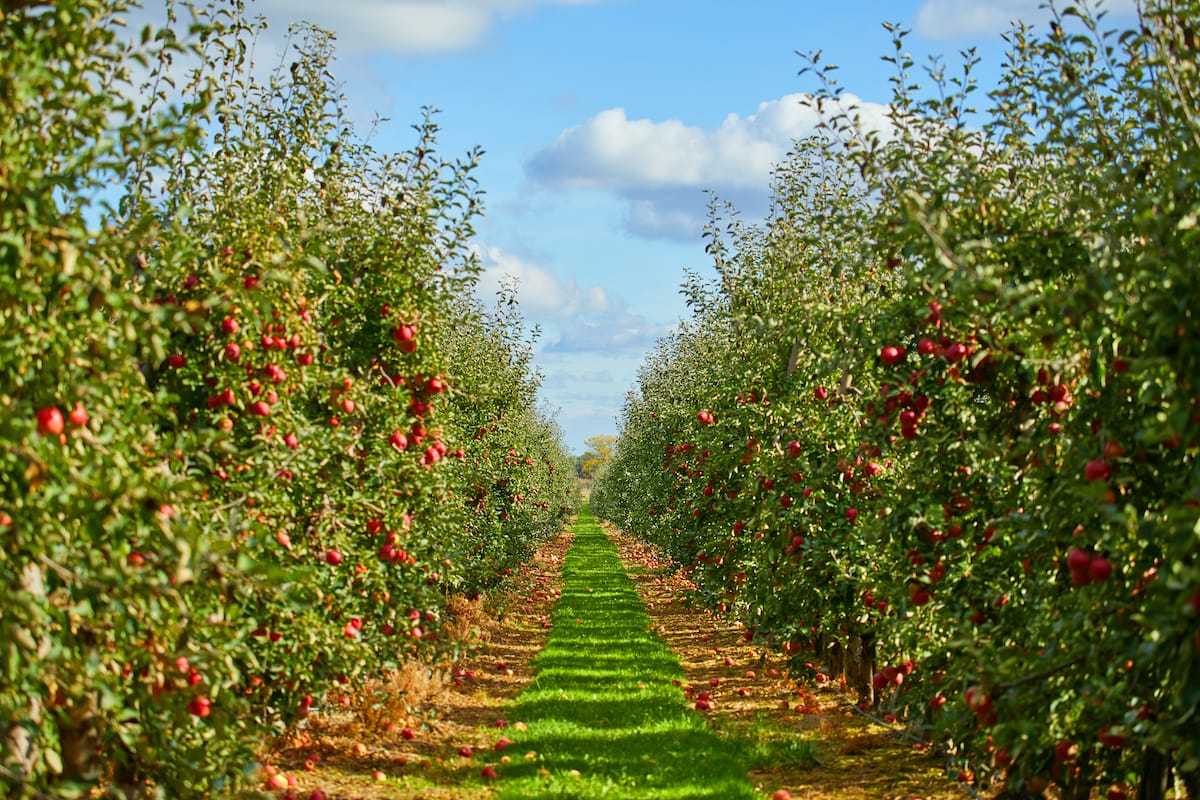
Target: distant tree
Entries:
(600, 452)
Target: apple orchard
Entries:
(254, 434)
(934, 423)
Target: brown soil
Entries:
(446, 707)
(858, 759)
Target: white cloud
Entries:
(665, 214)
(612, 151)
(542, 294)
(404, 27)
(948, 19)
(574, 319)
(611, 334)
(562, 378)
(578, 412)
(661, 167)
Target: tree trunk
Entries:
(1155, 772)
(21, 750)
(1191, 781)
(864, 670)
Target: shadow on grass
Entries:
(604, 719)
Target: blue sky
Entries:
(603, 123)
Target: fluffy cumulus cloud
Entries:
(661, 168)
(561, 378)
(610, 334)
(404, 27)
(612, 151)
(948, 19)
(542, 294)
(589, 345)
(574, 319)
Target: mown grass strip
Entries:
(603, 716)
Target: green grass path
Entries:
(603, 716)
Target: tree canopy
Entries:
(600, 452)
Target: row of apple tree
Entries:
(940, 415)
(254, 432)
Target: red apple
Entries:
(1100, 569)
(1078, 560)
(49, 421)
(955, 353)
(78, 415)
(1112, 738)
(977, 699)
(1096, 470)
(1065, 751)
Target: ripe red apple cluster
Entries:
(50, 419)
(1087, 568)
